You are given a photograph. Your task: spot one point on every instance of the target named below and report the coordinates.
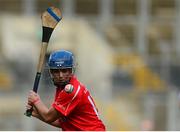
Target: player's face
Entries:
(61, 76)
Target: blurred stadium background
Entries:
(127, 53)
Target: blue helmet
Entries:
(61, 59)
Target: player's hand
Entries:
(34, 112)
(33, 98)
(28, 106)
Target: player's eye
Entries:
(67, 70)
(54, 70)
(64, 70)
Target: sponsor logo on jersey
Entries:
(69, 88)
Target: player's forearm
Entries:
(42, 111)
(55, 123)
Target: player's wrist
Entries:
(36, 101)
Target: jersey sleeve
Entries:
(66, 102)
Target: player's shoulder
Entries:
(72, 90)
(75, 88)
(78, 86)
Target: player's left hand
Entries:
(34, 112)
(28, 106)
(33, 97)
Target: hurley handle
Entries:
(35, 88)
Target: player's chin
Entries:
(59, 83)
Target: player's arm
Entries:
(47, 115)
(37, 115)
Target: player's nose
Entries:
(60, 74)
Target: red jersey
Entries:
(78, 109)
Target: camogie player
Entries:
(73, 108)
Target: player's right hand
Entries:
(33, 97)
